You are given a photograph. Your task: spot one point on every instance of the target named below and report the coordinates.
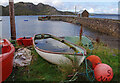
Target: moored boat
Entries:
(84, 40)
(6, 58)
(25, 41)
(25, 20)
(43, 18)
(56, 50)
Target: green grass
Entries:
(108, 56)
(41, 70)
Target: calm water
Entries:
(112, 16)
(57, 28)
(117, 17)
(33, 26)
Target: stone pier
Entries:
(107, 26)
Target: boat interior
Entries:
(25, 38)
(50, 43)
(4, 46)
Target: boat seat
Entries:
(47, 36)
(42, 36)
(38, 37)
(26, 37)
(62, 41)
(6, 49)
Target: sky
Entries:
(92, 6)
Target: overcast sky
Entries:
(93, 6)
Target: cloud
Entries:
(4, 2)
(56, 2)
(91, 10)
(51, 2)
(115, 10)
(68, 5)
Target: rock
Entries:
(22, 57)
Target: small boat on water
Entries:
(25, 41)
(56, 50)
(43, 18)
(25, 20)
(6, 58)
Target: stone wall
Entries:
(107, 26)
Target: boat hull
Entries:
(61, 58)
(24, 41)
(6, 60)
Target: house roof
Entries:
(81, 11)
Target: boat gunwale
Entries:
(58, 52)
(3, 56)
(22, 38)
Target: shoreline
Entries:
(108, 28)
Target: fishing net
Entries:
(88, 72)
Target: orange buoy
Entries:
(103, 72)
(93, 60)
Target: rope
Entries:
(87, 73)
(72, 79)
(75, 76)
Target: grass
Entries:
(41, 70)
(108, 56)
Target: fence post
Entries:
(12, 19)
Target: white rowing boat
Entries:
(58, 57)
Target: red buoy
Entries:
(93, 61)
(103, 72)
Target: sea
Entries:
(30, 25)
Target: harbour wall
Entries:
(106, 26)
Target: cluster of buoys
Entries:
(102, 72)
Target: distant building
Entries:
(83, 13)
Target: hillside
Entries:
(22, 8)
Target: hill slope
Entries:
(22, 8)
